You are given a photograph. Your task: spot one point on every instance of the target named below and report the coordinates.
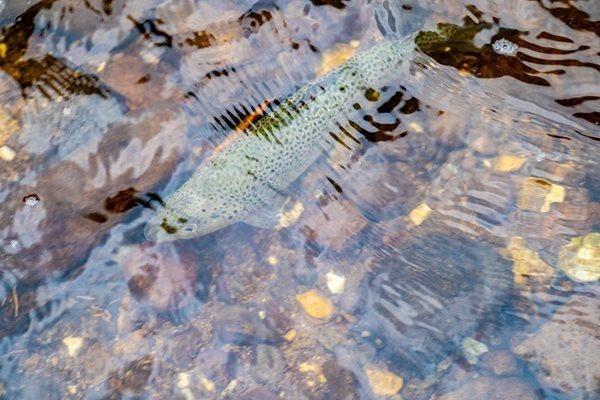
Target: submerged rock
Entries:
(256, 393)
(528, 267)
(341, 382)
(240, 326)
(383, 383)
(422, 301)
(580, 259)
(267, 364)
(501, 363)
(315, 304)
(564, 351)
(133, 378)
(472, 349)
(493, 389)
(538, 194)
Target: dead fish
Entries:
(247, 179)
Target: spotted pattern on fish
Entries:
(447, 33)
(256, 167)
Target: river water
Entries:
(447, 246)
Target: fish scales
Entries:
(253, 170)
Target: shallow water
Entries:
(446, 246)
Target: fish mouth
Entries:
(156, 233)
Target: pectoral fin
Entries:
(267, 217)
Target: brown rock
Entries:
(94, 363)
(158, 274)
(564, 351)
(341, 382)
(500, 362)
(267, 364)
(256, 393)
(492, 389)
(217, 368)
(55, 234)
(133, 378)
(242, 326)
(335, 223)
(135, 79)
(185, 347)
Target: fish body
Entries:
(254, 170)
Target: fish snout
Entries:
(155, 233)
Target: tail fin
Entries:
(397, 19)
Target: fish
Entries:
(246, 180)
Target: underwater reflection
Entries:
(50, 75)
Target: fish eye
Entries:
(190, 228)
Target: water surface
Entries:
(447, 247)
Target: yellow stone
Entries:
(580, 259)
(272, 260)
(8, 125)
(417, 128)
(538, 194)
(383, 383)
(290, 335)
(101, 67)
(315, 304)
(335, 283)
(3, 48)
(228, 391)
(207, 383)
(506, 163)
(288, 218)
(73, 344)
(314, 371)
(420, 213)
(150, 58)
(335, 57)
(7, 154)
(183, 383)
(527, 264)
(183, 380)
(72, 389)
(556, 195)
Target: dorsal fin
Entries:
(234, 97)
(263, 59)
(236, 64)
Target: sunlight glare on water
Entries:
(431, 231)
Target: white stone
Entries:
(7, 154)
(472, 349)
(73, 344)
(335, 283)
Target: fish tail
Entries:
(396, 19)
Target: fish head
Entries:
(168, 225)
